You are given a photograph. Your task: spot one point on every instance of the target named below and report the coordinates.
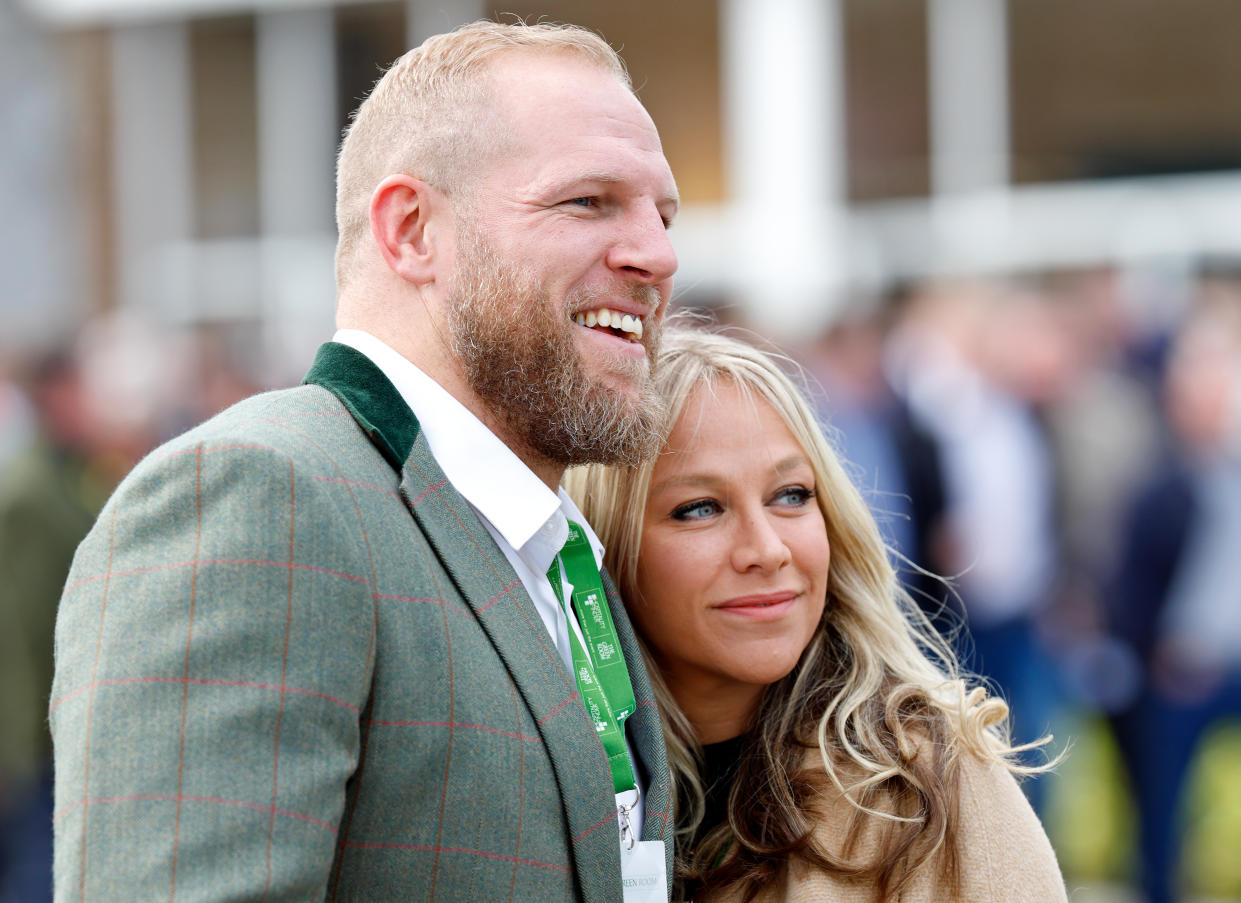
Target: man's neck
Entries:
(546, 470)
(445, 369)
(426, 351)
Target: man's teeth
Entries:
(630, 325)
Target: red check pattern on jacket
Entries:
(287, 672)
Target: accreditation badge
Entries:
(644, 873)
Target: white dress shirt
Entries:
(527, 520)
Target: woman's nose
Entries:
(759, 545)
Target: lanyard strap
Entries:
(602, 677)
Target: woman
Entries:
(822, 745)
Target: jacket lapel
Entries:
(646, 731)
(492, 591)
(506, 613)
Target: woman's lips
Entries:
(760, 605)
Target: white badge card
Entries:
(644, 873)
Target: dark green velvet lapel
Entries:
(372, 400)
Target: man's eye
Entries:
(583, 202)
(703, 508)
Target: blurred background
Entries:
(1003, 237)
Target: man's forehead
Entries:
(561, 119)
(524, 81)
(534, 93)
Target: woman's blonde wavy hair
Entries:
(877, 691)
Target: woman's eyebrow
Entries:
(792, 462)
(717, 482)
(705, 480)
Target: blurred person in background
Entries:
(136, 373)
(1176, 597)
(969, 360)
(219, 365)
(50, 493)
(1103, 422)
(896, 460)
(328, 643)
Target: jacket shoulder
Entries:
(306, 424)
(272, 415)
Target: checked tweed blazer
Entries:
(291, 664)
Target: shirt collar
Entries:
(481, 467)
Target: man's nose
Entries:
(643, 250)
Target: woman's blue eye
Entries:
(698, 510)
(793, 496)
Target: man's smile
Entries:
(628, 326)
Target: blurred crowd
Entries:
(1071, 460)
(1068, 457)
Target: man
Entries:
(314, 648)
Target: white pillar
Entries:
(153, 173)
(971, 214)
(295, 69)
(424, 18)
(969, 87)
(785, 154)
(296, 73)
(44, 247)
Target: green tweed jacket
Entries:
(291, 664)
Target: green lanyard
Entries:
(603, 681)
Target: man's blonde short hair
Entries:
(433, 115)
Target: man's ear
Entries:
(405, 219)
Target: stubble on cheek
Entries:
(521, 357)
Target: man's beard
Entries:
(519, 356)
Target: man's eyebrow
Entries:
(599, 177)
(611, 178)
(567, 182)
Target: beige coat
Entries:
(1004, 853)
